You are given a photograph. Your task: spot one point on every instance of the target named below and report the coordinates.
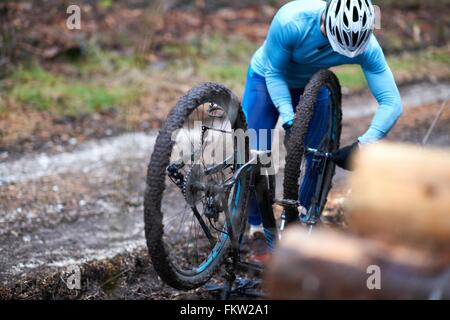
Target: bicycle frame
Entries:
(260, 185)
(320, 161)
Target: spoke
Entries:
(173, 217)
(180, 237)
(219, 130)
(203, 225)
(203, 113)
(196, 242)
(197, 113)
(191, 232)
(183, 219)
(189, 135)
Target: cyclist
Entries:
(304, 37)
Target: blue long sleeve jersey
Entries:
(295, 49)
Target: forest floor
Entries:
(79, 120)
(83, 207)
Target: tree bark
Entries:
(402, 194)
(333, 265)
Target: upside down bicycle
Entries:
(200, 177)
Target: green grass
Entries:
(216, 48)
(351, 77)
(231, 75)
(419, 63)
(406, 4)
(89, 83)
(225, 59)
(101, 79)
(218, 58)
(98, 61)
(46, 91)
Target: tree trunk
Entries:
(333, 265)
(402, 194)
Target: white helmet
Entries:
(349, 25)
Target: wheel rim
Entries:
(325, 170)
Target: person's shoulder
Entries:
(373, 56)
(298, 11)
(373, 48)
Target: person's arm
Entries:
(384, 89)
(278, 50)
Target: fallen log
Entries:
(402, 193)
(334, 265)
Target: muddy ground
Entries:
(82, 206)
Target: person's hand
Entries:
(344, 156)
(287, 131)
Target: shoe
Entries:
(259, 250)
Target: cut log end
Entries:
(333, 265)
(402, 193)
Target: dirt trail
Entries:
(86, 205)
(414, 95)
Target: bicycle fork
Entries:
(311, 218)
(265, 200)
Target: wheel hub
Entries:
(193, 188)
(200, 187)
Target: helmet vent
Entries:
(354, 39)
(339, 39)
(349, 25)
(347, 40)
(338, 6)
(355, 15)
(363, 37)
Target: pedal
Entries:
(287, 203)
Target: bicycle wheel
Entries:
(295, 158)
(194, 157)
